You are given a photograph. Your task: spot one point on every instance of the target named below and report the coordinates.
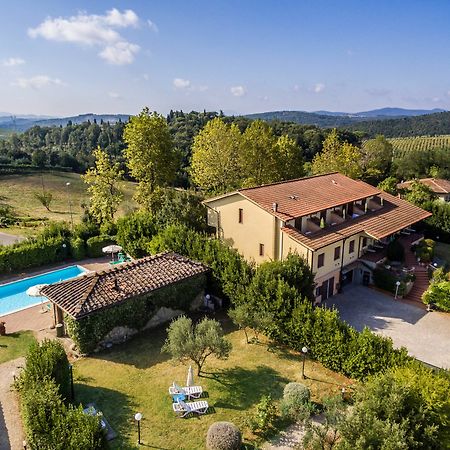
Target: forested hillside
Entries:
(427, 125)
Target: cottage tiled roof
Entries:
(304, 196)
(395, 215)
(83, 295)
(437, 185)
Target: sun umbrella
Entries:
(112, 249)
(190, 377)
(35, 291)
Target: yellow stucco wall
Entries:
(258, 227)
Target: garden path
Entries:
(11, 433)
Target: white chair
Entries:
(188, 391)
(183, 409)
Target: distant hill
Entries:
(22, 123)
(339, 119)
(427, 125)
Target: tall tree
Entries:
(289, 159)
(103, 187)
(215, 157)
(377, 157)
(258, 155)
(150, 153)
(337, 156)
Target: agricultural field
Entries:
(17, 191)
(406, 144)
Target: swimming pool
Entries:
(13, 296)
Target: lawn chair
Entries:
(184, 409)
(188, 391)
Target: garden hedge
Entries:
(133, 313)
(96, 243)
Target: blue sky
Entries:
(64, 58)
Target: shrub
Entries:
(223, 436)
(32, 253)
(77, 248)
(47, 360)
(297, 391)
(264, 416)
(438, 294)
(95, 244)
(295, 404)
(86, 230)
(384, 279)
(395, 251)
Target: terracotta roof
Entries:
(83, 295)
(395, 215)
(437, 185)
(304, 196)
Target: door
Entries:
(324, 290)
(331, 287)
(366, 278)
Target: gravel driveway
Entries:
(426, 335)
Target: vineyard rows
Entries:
(406, 144)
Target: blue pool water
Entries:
(13, 296)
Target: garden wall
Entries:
(128, 318)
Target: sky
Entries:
(62, 58)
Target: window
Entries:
(337, 253)
(241, 215)
(364, 242)
(321, 260)
(318, 291)
(261, 249)
(351, 246)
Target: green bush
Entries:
(395, 251)
(86, 230)
(223, 436)
(77, 248)
(95, 244)
(44, 360)
(50, 425)
(438, 294)
(32, 253)
(384, 279)
(264, 417)
(295, 404)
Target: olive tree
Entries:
(196, 342)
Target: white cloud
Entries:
(180, 83)
(37, 82)
(114, 95)
(238, 91)
(318, 87)
(11, 62)
(152, 26)
(93, 30)
(119, 53)
(296, 87)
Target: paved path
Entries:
(11, 434)
(8, 239)
(426, 335)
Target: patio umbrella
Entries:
(112, 249)
(35, 291)
(190, 377)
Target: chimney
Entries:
(275, 207)
(116, 285)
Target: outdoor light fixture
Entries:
(138, 418)
(70, 203)
(304, 351)
(13, 375)
(72, 393)
(397, 284)
(343, 393)
(24, 443)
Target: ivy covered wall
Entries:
(134, 313)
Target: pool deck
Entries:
(32, 318)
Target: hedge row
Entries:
(49, 423)
(134, 313)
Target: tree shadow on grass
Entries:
(243, 388)
(141, 351)
(116, 407)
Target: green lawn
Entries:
(136, 376)
(442, 251)
(14, 345)
(18, 192)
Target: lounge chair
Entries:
(188, 391)
(184, 409)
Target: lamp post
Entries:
(343, 393)
(138, 418)
(72, 393)
(397, 285)
(24, 443)
(70, 203)
(14, 376)
(304, 351)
